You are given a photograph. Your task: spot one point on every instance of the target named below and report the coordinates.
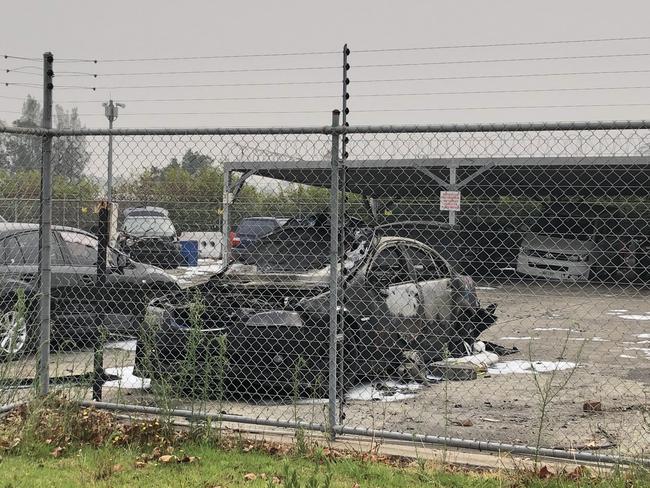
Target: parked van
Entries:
(573, 242)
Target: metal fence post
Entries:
(103, 216)
(45, 271)
(334, 281)
(225, 216)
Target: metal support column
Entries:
(45, 270)
(225, 216)
(334, 278)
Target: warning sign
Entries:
(450, 200)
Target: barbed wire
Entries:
(419, 109)
(337, 52)
(504, 44)
(22, 58)
(502, 60)
(362, 66)
(196, 58)
(367, 95)
(514, 75)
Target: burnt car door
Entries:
(385, 305)
(434, 284)
(433, 279)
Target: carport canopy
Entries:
(593, 176)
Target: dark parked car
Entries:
(249, 231)
(80, 306)
(148, 235)
(266, 325)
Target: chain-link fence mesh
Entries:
(490, 284)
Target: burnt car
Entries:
(81, 307)
(148, 235)
(266, 326)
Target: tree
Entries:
(24, 152)
(195, 162)
(70, 154)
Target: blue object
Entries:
(190, 252)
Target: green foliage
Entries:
(192, 191)
(195, 162)
(22, 153)
(27, 185)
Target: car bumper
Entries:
(185, 359)
(553, 269)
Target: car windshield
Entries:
(149, 226)
(564, 228)
(256, 227)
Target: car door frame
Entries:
(447, 277)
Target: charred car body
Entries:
(267, 324)
(148, 236)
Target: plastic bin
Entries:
(190, 252)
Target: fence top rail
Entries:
(24, 131)
(328, 130)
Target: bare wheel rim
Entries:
(13, 333)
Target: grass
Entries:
(118, 466)
(56, 443)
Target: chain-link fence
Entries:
(481, 287)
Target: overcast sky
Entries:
(126, 30)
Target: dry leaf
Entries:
(57, 452)
(140, 464)
(276, 480)
(168, 458)
(544, 472)
(117, 468)
(578, 472)
(592, 406)
(250, 476)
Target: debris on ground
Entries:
(592, 406)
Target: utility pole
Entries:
(111, 110)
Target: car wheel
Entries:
(16, 335)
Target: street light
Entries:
(111, 110)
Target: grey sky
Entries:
(144, 29)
